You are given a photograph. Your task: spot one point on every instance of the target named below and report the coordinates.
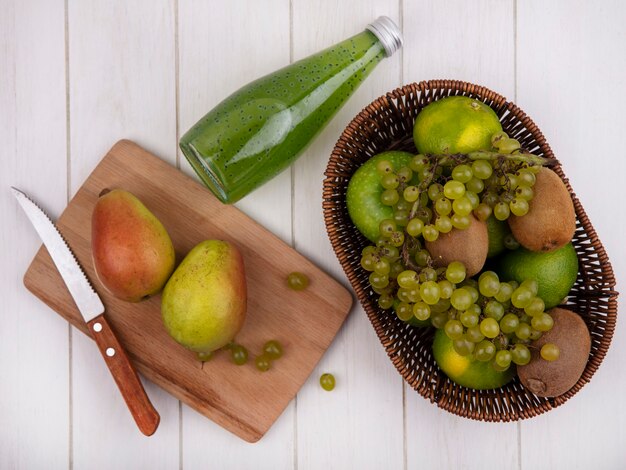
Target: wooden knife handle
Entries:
(125, 376)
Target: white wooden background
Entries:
(75, 76)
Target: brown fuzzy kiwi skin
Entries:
(469, 246)
(554, 378)
(551, 220)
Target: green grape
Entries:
(425, 214)
(494, 309)
(404, 311)
(482, 211)
(507, 197)
(501, 342)
(462, 173)
(503, 358)
(300, 281)
(443, 224)
(535, 307)
(519, 207)
(463, 346)
(550, 352)
(484, 351)
(531, 284)
(405, 174)
(430, 233)
(381, 242)
(421, 311)
(384, 167)
(435, 191)
(378, 280)
(445, 288)
(508, 181)
(401, 217)
(383, 290)
(454, 189)
(368, 250)
(468, 318)
(273, 349)
(461, 299)
(510, 243)
(428, 274)
(523, 331)
(475, 185)
(504, 292)
(415, 227)
(497, 138)
(403, 295)
(498, 368)
(490, 199)
(438, 319)
(501, 211)
(396, 238)
(443, 206)
(473, 199)
(238, 354)
(383, 266)
(263, 362)
(411, 193)
(520, 355)
(469, 282)
(474, 334)
(422, 257)
(462, 206)
(524, 192)
(535, 334)
(396, 268)
(489, 327)
(387, 227)
(488, 284)
(455, 272)
(461, 222)
(414, 294)
(389, 181)
(482, 169)
(526, 178)
(205, 356)
(368, 262)
(389, 252)
(542, 322)
(403, 205)
(389, 197)
(442, 306)
(418, 163)
(508, 145)
(521, 297)
(454, 329)
(385, 301)
(430, 292)
(509, 323)
(327, 381)
(407, 279)
(472, 291)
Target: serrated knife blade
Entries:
(86, 299)
(92, 310)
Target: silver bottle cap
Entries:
(387, 33)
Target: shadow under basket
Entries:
(387, 124)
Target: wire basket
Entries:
(387, 124)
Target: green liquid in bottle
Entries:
(261, 129)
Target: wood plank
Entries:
(122, 84)
(446, 39)
(214, 62)
(34, 345)
(571, 78)
(359, 424)
(243, 400)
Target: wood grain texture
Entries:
(358, 424)
(448, 39)
(574, 90)
(121, 82)
(213, 62)
(34, 354)
(246, 403)
(125, 376)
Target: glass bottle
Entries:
(261, 129)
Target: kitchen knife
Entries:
(92, 310)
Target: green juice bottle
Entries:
(261, 129)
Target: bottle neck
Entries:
(387, 33)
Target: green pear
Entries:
(132, 252)
(204, 302)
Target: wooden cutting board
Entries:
(239, 398)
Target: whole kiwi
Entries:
(469, 246)
(554, 378)
(551, 220)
